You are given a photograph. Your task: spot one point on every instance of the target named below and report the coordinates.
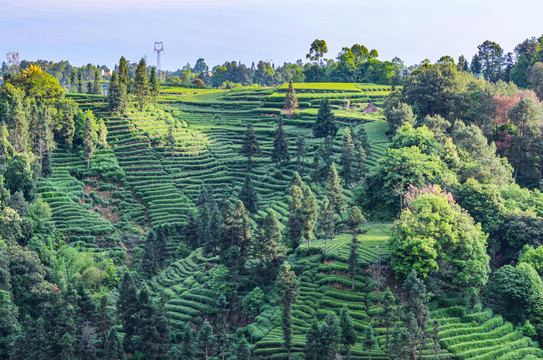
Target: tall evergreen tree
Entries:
(73, 77)
(268, 248)
(206, 339)
(113, 347)
(295, 219)
(329, 337)
(280, 145)
(288, 293)
(242, 351)
(236, 235)
(154, 87)
(348, 335)
(104, 321)
(142, 84)
(291, 100)
(327, 223)
(334, 191)
(249, 195)
(102, 133)
(127, 309)
(188, 349)
(97, 87)
(415, 312)
(117, 94)
(311, 339)
(155, 251)
(354, 221)
(124, 76)
(325, 124)
(389, 315)
(89, 141)
(369, 341)
(300, 152)
(347, 157)
(309, 214)
(360, 168)
(250, 145)
(152, 327)
(80, 81)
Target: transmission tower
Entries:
(159, 49)
(13, 61)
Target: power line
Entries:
(159, 49)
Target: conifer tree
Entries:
(280, 145)
(435, 336)
(347, 157)
(188, 349)
(104, 321)
(415, 312)
(354, 220)
(152, 327)
(360, 168)
(90, 88)
(79, 81)
(348, 335)
(97, 87)
(389, 314)
(242, 351)
(249, 195)
(311, 339)
(154, 86)
(113, 347)
(89, 141)
(288, 292)
(295, 219)
(291, 100)
(154, 254)
(325, 124)
(236, 235)
(86, 349)
(142, 84)
(127, 308)
(117, 94)
(73, 77)
(102, 133)
(206, 339)
(327, 223)
(9, 323)
(124, 76)
(300, 152)
(268, 248)
(369, 341)
(334, 191)
(362, 140)
(329, 337)
(250, 145)
(309, 214)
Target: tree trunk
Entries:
(369, 354)
(348, 352)
(308, 252)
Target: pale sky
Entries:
(100, 31)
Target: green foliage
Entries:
(325, 123)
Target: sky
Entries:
(101, 31)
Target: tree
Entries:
(142, 84)
(249, 195)
(113, 347)
(328, 337)
(280, 145)
(9, 324)
(205, 338)
(154, 86)
(399, 115)
(491, 55)
(295, 218)
(325, 123)
(476, 65)
(188, 349)
(6, 149)
(360, 169)
(348, 335)
(152, 327)
(242, 351)
(117, 94)
(300, 152)
(18, 175)
(97, 87)
(291, 100)
(415, 312)
(347, 157)
(327, 222)
(309, 214)
(127, 308)
(89, 141)
(155, 251)
(457, 258)
(311, 339)
(354, 220)
(369, 341)
(236, 235)
(268, 248)
(316, 51)
(287, 288)
(389, 315)
(80, 81)
(334, 192)
(250, 145)
(73, 77)
(102, 133)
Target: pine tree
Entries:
(250, 145)
(295, 219)
(415, 311)
(280, 145)
(86, 349)
(97, 87)
(291, 100)
(188, 349)
(311, 339)
(104, 321)
(154, 86)
(242, 351)
(102, 133)
(325, 124)
(206, 339)
(90, 88)
(155, 250)
(400, 344)
(287, 288)
(89, 141)
(300, 152)
(117, 94)
(389, 314)
(124, 76)
(369, 341)
(354, 220)
(348, 335)
(329, 337)
(127, 308)
(268, 248)
(360, 168)
(249, 195)
(327, 223)
(309, 214)
(334, 191)
(236, 235)
(347, 157)
(79, 81)
(152, 327)
(142, 84)
(362, 140)
(73, 77)
(113, 347)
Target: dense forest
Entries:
(345, 208)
